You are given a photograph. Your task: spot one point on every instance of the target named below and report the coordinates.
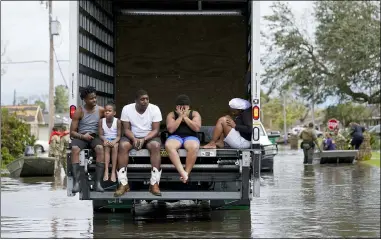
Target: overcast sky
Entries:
(24, 27)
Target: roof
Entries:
(27, 113)
(60, 118)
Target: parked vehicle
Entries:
(112, 47)
(41, 146)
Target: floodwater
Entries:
(297, 201)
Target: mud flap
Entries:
(256, 176)
(69, 178)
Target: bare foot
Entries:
(220, 144)
(184, 177)
(113, 177)
(105, 177)
(210, 145)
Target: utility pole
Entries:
(51, 69)
(313, 109)
(284, 119)
(14, 97)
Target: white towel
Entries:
(239, 103)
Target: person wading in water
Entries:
(84, 131)
(308, 137)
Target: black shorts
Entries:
(83, 144)
(356, 142)
(155, 139)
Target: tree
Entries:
(41, 104)
(273, 112)
(61, 99)
(347, 113)
(342, 59)
(15, 136)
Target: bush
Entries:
(375, 141)
(15, 137)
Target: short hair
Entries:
(311, 125)
(55, 129)
(140, 93)
(111, 104)
(86, 91)
(183, 99)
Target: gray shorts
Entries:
(83, 144)
(155, 139)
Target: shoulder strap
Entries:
(176, 115)
(191, 114)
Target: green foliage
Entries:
(295, 110)
(375, 141)
(61, 99)
(15, 137)
(41, 104)
(341, 59)
(347, 113)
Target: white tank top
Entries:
(110, 132)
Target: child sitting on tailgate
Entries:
(110, 129)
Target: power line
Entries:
(59, 67)
(23, 62)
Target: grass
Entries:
(375, 160)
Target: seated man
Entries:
(235, 132)
(329, 143)
(84, 132)
(339, 139)
(141, 125)
(183, 125)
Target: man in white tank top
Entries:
(141, 125)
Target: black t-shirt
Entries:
(244, 124)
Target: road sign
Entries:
(333, 123)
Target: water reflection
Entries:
(318, 201)
(297, 201)
(219, 224)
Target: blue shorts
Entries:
(184, 139)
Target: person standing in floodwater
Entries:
(357, 135)
(308, 136)
(54, 142)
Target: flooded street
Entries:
(296, 201)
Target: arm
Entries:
(127, 130)
(154, 132)
(119, 131)
(173, 124)
(126, 125)
(101, 112)
(155, 125)
(195, 123)
(247, 123)
(100, 131)
(74, 124)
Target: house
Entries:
(61, 119)
(30, 114)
